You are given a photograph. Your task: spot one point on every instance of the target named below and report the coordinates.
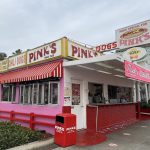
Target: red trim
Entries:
(52, 69)
(31, 118)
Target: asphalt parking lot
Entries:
(134, 137)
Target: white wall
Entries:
(95, 77)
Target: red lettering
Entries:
(103, 47)
(83, 53)
(74, 50)
(131, 42)
(138, 40)
(39, 53)
(46, 52)
(31, 55)
(20, 60)
(78, 52)
(98, 48)
(114, 45)
(53, 46)
(95, 54)
(90, 55)
(123, 42)
(109, 46)
(146, 36)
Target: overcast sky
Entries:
(25, 24)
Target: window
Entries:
(35, 89)
(9, 93)
(54, 93)
(95, 94)
(41, 93)
(118, 94)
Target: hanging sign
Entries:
(136, 72)
(134, 54)
(133, 35)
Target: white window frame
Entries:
(10, 89)
(58, 101)
(31, 94)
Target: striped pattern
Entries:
(53, 69)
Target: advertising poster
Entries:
(134, 35)
(75, 94)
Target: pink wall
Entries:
(51, 110)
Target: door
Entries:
(77, 102)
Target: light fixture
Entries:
(132, 79)
(120, 70)
(105, 65)
(104, 72)
(85, 67)
(120, 76)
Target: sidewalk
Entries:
(134, 137)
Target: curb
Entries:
(34, 145)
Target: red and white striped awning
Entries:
(53, 69)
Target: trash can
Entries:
(65, 130)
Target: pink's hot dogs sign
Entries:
(137, 34)
(136, 72)
(78, 51)
(41, 53)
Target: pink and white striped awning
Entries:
(53, 69)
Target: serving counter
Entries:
(101, 116)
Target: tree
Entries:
(17, 52)
(2, 56)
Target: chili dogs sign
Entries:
(79, 52)
(3, 65)
(44, 52)
(136, 72)
(17, 61)
(134, 35)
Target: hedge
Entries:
(12, 135)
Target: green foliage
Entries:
(12, 135)
(17, 52)
(145, 104)
(2, 56)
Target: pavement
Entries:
(134, 137)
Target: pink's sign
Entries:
(136, 72)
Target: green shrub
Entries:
(145, 105)
(12, 135)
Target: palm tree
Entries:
(2, 56)
(17, 52)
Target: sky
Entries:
(25, 24)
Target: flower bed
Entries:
(12, 135)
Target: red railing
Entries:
(29, 118)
